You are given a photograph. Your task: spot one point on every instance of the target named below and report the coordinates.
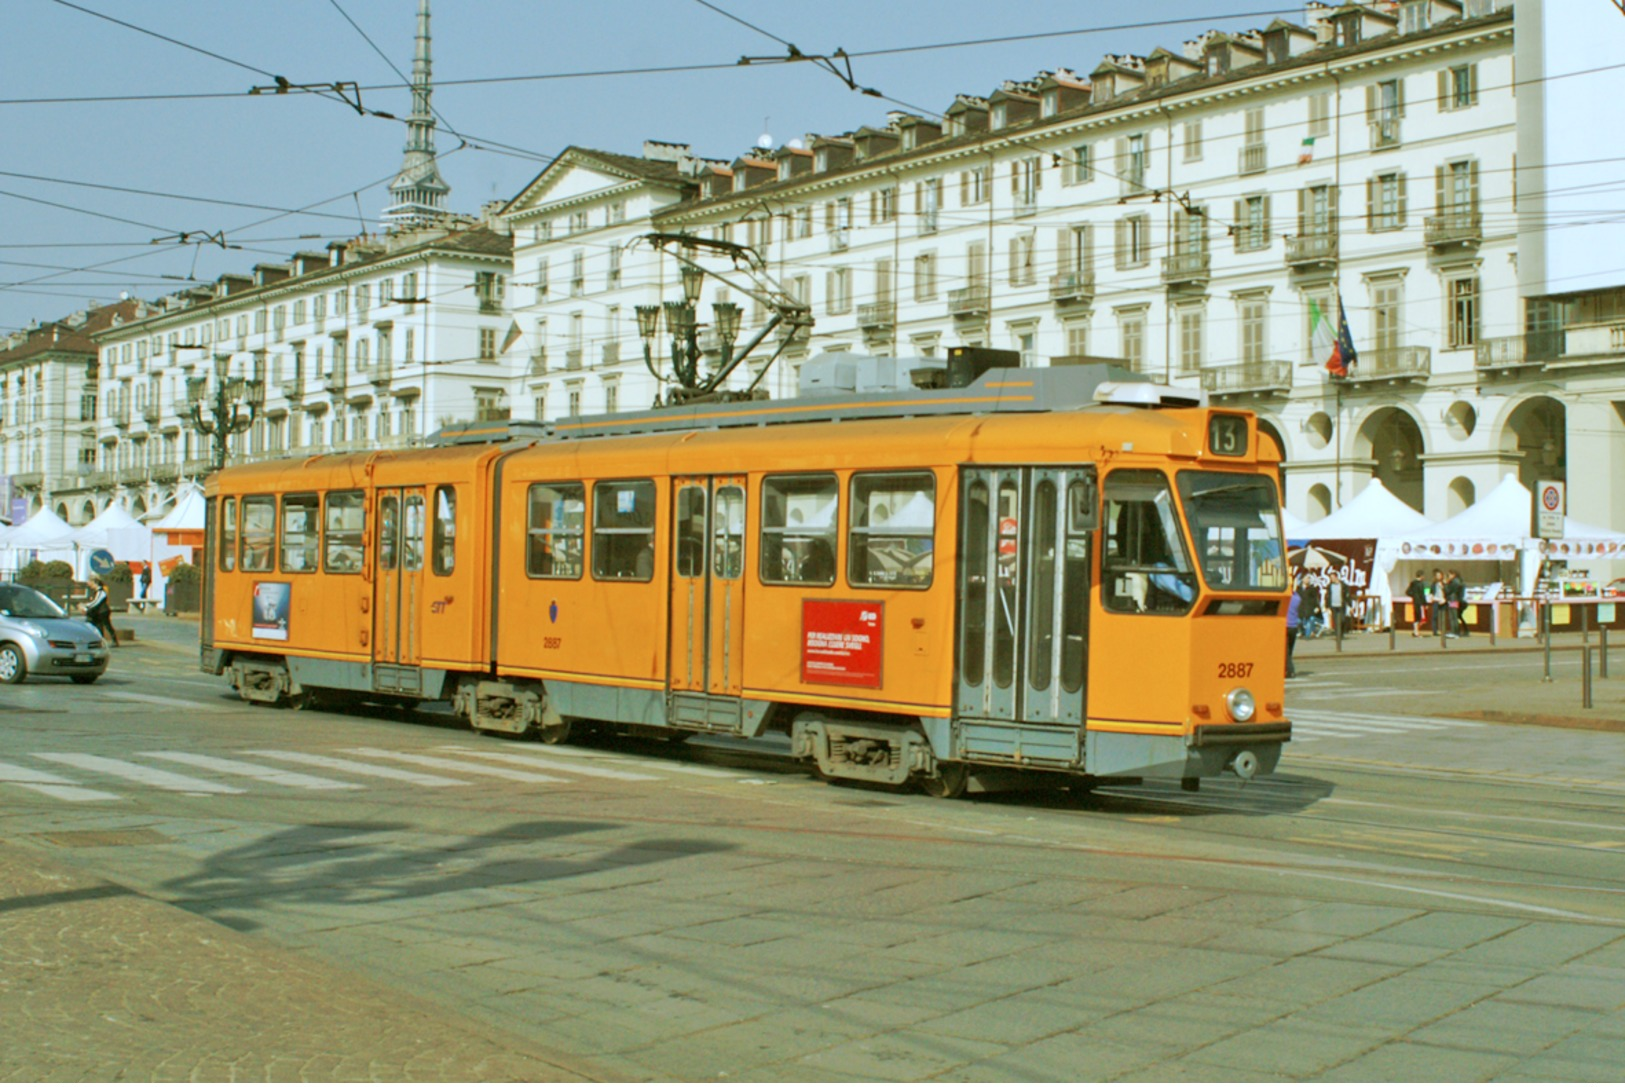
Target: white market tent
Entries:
(44, 536)
(1373, 514)
(1496, 529)
(1294, 527)
(186, 515)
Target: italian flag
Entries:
(1307, 152)
(1327, 344)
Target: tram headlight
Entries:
(1240, 704)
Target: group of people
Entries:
(1307, 611)
(1443, 600)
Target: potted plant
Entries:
(118, 581)
(181, 589)
(54, 579)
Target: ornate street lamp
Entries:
(230, 408)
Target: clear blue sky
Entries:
(298, 151)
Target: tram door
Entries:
(398, 571)
(1024, 593)
(707, 593)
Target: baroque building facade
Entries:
(1187, 212)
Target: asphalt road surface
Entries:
(1415, 895)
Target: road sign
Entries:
(101, 562)
(1551, 506)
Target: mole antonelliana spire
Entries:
(419, 191)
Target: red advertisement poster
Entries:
(840, 642)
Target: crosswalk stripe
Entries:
(1301, 725)
(364, 769)
(457, 765)
(549, 764)
(54, 785)
(131, 771)
(683, 768)
(269, 774)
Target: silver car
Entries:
(37, 636)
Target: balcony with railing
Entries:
(1307, 252)
(839, 239)
(1186, 269)
(27, 480)
(969, 302)
(877, 316)
(1588, 344)
(337, 380)
(383, 370)
(609, 354)
(538, 361)
(1453, 230)
(121, 415)
(573, 357)
(1392, 364)
(928, 221)
(151, 413)
(1072, 288)
(1251, 159)
(1263, 377)
(1497, 353)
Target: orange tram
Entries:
(1036, 572)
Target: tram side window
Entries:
(445, 530)
(556, 531)
(259, 534)
(412, 534)
(728, 528)
(346, 518)
(301, 516)
(1146, 567)
(623, 530)
(894, 519)
(799, 529)
(228, 535)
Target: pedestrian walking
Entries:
(1417, 593)
(1455, 595)
(99, 611)
(146, 580)
(1293, 604)
(1336, 602)
(1436, 603)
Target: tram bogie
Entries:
(959, 589)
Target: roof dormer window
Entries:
(998, 116)
(821, 160)
(1049, 104)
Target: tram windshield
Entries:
(1236, 524)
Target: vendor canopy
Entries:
(44, 531)
(1497, 527)
(1374, 513)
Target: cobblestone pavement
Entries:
(99, 983)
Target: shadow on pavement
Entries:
(366, 863)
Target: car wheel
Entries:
(13, 668)
(83, 679)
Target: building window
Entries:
(1133, 241)
(1384, 106)
(613, 280)
(1077, 338)
(488, 344)
(804, 222)
(1134, 162)
(927, 203)
(883, 204)
(1191, 334)
(1385, 202)
(578, 273)
(925, 276)
(1023, 260)
(1078, 169)
(1320, 114)
(1252, 313)
(615, 213)
(1252, 223)
(975, 185)
(578, 222)
(541, 280)
(1193, 141)
(1458, 87)
(838, 290)
(1462, 295)
(1131, 335)
(1026, 178)
(1387, 300)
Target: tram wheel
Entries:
(948, 782)
(553, 734)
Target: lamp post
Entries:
(683, 326)
(229, 408)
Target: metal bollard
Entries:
(1602, 651)
(1546, 637)
(1391, 625)
(1337, 627)
(1585, 625)
(1585, 677)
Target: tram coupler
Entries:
(1244, 765)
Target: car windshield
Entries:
(21, 602)
(1236, 524)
